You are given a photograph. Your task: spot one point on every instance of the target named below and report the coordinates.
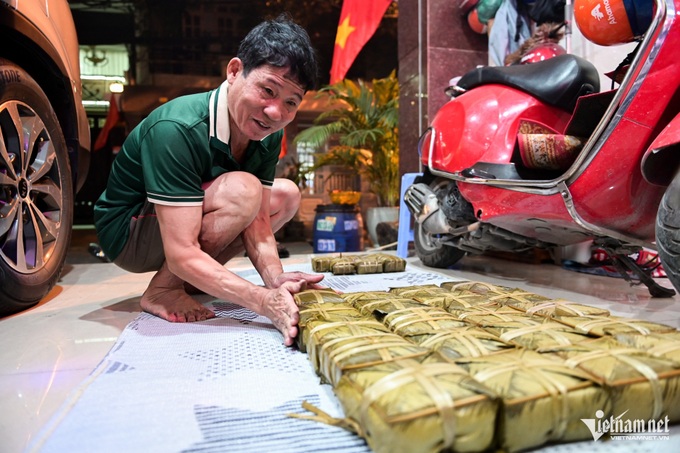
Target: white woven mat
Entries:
(223, 385)
(226, 384)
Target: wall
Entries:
(435, 43)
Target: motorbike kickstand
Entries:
(622, 263)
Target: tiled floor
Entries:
(49, 350)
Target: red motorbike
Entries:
(535, 155)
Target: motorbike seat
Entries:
(557, 81)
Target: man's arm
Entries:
(180, 227)
(260, 244)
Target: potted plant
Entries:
(364, 119)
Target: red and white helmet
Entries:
(542, 52)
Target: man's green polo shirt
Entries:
(168, 157)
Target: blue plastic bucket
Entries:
(338, 228)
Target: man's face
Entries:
(263, 102)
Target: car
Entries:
(44, 147)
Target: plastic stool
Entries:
(405, 232)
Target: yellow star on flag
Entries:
(344, 30)
(357, 22)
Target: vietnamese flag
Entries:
(358, 21)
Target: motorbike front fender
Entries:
(662, 159)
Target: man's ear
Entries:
(234, 69)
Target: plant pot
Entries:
(377, 215)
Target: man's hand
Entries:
(308, 281)
(279, 306)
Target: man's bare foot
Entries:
(174, 305)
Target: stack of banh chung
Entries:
(373, 263)
(468, 366)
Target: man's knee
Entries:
(286, 194)
(236, 189)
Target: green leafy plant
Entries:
(365, 119)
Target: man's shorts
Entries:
(143, 252)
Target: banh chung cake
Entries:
(468, 366)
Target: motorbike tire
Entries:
(668, 232)
(442, 256)
(36, 192)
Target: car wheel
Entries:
(36, 192)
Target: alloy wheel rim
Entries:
(31, 195)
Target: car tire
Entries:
(36, 192)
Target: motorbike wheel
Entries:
(431, 254)
(668, 232)
(36, 193)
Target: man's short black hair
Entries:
(281, 43)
